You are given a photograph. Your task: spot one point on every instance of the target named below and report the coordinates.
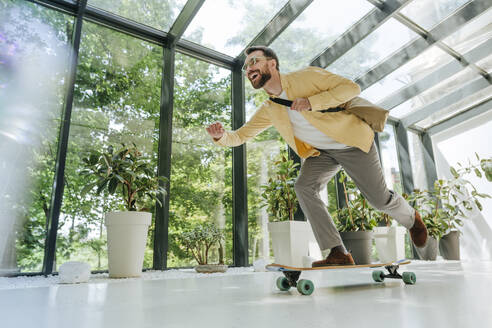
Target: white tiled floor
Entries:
(447, 294)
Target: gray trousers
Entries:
(365, 170)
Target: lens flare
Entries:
(33, 61)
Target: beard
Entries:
(260, 80)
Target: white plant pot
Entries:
(390, 243)
(127, 237)
(290, 241)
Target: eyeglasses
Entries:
(252, 61)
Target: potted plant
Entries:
(427, 204)
(129, 174)
(290, 239)
(355, 222)
(199, 241)
(389, 238)
(458, 196)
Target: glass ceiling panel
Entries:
(229, 25)
(315, 29)
(454, 109)
(472, 34)
(429, 13)
(159, 14)
(411, 72)
(378, 45)
(436, 92)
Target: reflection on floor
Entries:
(447, 294)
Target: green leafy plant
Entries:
(462, 191)
(127, 171)
(382, 218)
(199, 241)
(358, 215)
(278, 194)
(458, 195)
(427, 204)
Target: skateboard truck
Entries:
(408, 278)
(292, 277)
(393, 273)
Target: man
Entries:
(327, 141)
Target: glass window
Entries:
(471, 34)
(228, 26)
(377, 46)
(436, 92)
(315, 29)
(389, 157)
(456, 108)
(201, 172)
(116, 101)
(155, 13)
(33, 62)
(262, 152)
(417, 160)
(429, 13)
(411, 72)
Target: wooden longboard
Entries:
(306, 287)
(280, 267)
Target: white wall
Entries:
(459, 144)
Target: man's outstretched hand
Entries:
(216, 130)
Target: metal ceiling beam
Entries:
(448, 100)
(358, 31)
(140, 31)
(445, 28)
(160, 37)
(395, 121)
(435, 77)
(64, 6)
(463, 116)
(184, 19)
(125, 25)
(453, 53)
(277, 25)
(206, 54)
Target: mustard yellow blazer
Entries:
(324, 90)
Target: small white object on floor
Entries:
(259, 265)
(307, 261)
(74, 272)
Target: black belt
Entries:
(288, 103)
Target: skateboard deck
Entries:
(306, 287)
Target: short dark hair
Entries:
(268, 52)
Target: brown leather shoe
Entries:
(419, 231)
(335, 258)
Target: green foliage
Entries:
(457, 195)
(278, 194)
(126, 170)
(444, 208)
(358, 214)
(427, 204)
(199, 240)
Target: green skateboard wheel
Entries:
(283, 284)
(409, 278)
(378, 276)
(305, 287)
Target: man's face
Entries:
(257, 71)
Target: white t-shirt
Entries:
(303, 130)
